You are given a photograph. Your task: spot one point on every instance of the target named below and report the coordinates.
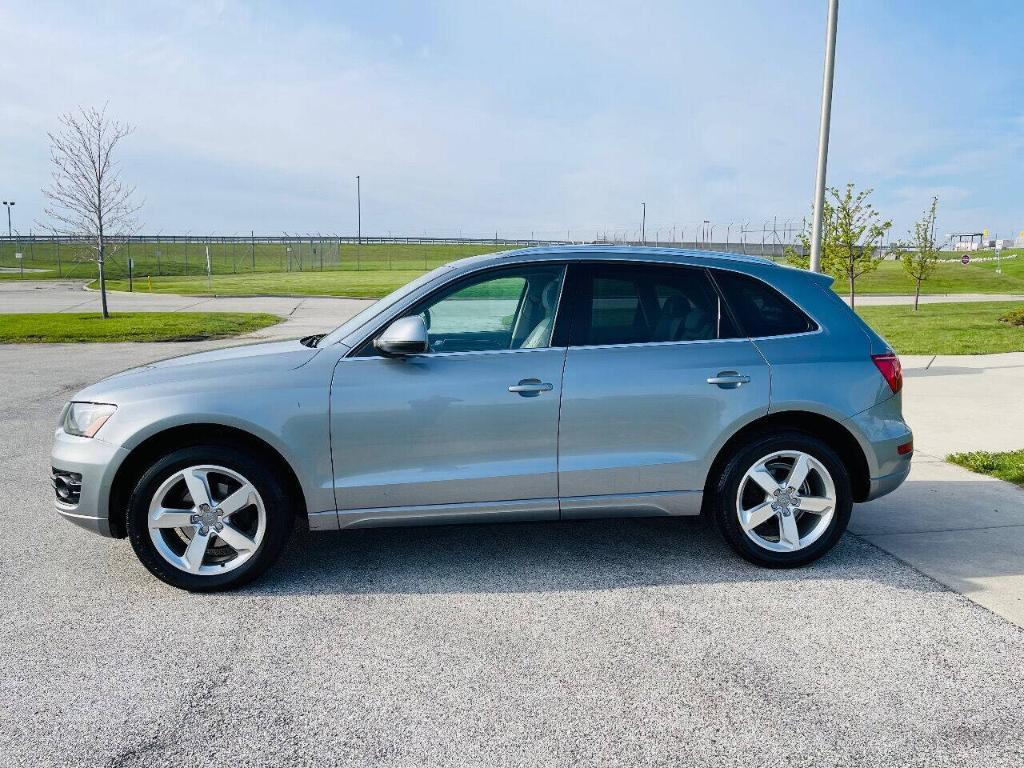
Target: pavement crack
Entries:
(930, 362)
(942, 530)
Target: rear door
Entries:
(655, 375)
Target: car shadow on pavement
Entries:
(545, 557)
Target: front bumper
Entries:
(97, 462)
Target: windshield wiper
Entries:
(312, 341)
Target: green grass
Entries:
(1007, 465)
(129, 326)
(372, 270)
(972, 328)
(363, 284)
(949, 277)
(183, 259)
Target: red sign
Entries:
(965, 259)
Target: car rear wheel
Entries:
(208, 518)
(783, 500)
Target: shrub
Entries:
(1014, 317)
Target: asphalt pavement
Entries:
(635, 642)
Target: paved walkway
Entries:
(963, 529)
(303, 315)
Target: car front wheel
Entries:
(783, 500)
(208, 518)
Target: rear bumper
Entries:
(97, 463)
(889, 483)
(882, 432)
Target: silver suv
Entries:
(540, 384)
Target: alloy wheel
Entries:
(206, 520)
(786, 501)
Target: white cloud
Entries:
(476, 117)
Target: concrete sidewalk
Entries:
(963, 529)
(303, 315)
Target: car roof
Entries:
(597, 252)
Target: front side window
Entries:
(498, 310)
(760, 309)
(643, 304)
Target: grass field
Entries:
(182, 259)
(360, 284)
(376, 282)
(1008, 465)
(947, 329)
(328, 269)
(129, 326)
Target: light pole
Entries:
(9, 206)
(643, 226)
(359, 212)
(823, 131)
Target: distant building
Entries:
(965, 241)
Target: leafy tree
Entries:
(920, 252)
(850, 234)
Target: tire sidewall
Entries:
(727, 492)
(255, 470)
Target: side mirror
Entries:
(405, 336)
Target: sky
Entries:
(529, 118)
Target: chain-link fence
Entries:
(199, 256)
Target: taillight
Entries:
(891, 370)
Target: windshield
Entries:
(372, 311)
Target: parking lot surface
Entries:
(636, 642)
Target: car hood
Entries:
(222, 368)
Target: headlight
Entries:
(85, 419)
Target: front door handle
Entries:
(528, 387)
(729, 379)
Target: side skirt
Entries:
(655, 504)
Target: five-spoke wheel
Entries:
(209, 517)
(783, 500)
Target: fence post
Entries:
(57, 245)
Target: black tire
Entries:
(261, 473)
(727, 488)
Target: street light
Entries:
(823, 131)
(643, 226)
(9, 206)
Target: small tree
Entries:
(87, 198)
(851, 232)
(920, 253)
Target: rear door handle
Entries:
(527, 387)
(729, 379)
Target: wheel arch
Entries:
(183, 436)
(832, 432)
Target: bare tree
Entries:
(87, 198)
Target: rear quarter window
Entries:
(759, 308)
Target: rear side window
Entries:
(760, 309)
(641, 304)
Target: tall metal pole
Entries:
(823, 131)
(643, 225)
(9, 204)
(359, 212)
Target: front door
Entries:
(466, 430)
(655, 376)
